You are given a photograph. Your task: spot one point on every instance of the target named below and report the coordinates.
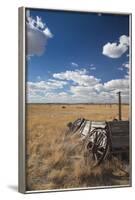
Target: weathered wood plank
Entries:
(119, 135)
(86, 129)
(120, 142)
(96, 124)
(120, 132)
(119, 122)
(119, 128)
(119, 151)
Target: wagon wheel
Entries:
(77, 124)
(97, 146)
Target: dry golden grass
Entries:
(56, 160)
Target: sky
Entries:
(76, 57)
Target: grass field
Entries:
(55, 160)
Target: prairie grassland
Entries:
(55, 160)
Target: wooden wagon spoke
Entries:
(100, 144)
(95, 137)
(99, 140)
(101, 137)
(100, 152)
(95, 157)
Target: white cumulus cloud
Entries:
(77, 86)
(42, 87)
(93, 68)
(74, 64)
(116, 50)
(117, 84)
(79, 77)
(37, 35)
(128, 68)
(126, 65)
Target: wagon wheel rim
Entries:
(77, 124)
(98, 148)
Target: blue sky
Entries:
(76, 57)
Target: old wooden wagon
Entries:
(102, 138)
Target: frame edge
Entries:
(22, 97)
(21, 92)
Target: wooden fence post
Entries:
(119, 99)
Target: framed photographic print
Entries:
(74, 100)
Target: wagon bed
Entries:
(101, 138)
